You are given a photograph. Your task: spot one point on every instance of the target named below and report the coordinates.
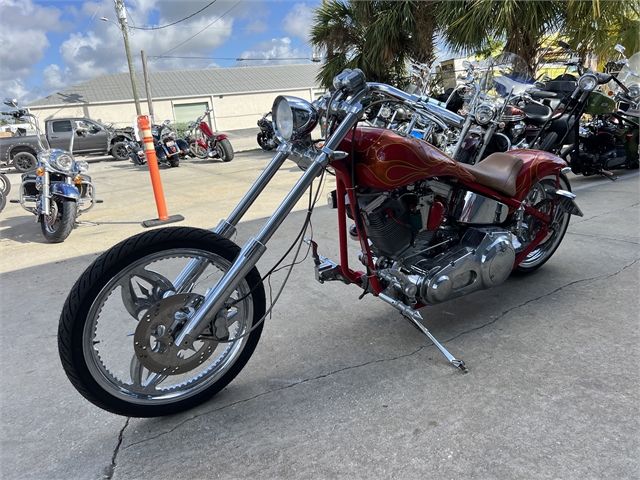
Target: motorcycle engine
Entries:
(404, 218)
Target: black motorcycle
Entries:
(135, 152)
(169, 148)
(266, 137)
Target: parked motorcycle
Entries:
(166, 319)
(204, 143)
(266, 136)
(135, 152)
(59, 187)
(5, 188)
(607, 138)
(169, 148)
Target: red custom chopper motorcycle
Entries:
(204, 143)
(166, 319)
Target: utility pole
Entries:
(147, 83)
(122, 18)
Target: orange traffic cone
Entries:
(154, 171)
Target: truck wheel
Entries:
(119, 151)
(24, 162)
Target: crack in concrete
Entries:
(602, 237)
(382, 360)
(110, 469)
(577, 222)
(506, 312)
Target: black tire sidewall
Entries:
(68, 209)
(6, 184)
(96, 277)
(225, 146)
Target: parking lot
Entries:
(341, 387)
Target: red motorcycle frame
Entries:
(209, 144)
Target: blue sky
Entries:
(51, 45)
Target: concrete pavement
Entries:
(341, 388)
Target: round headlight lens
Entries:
(634, 90)
(63, 162)
(588, 82)
(82, 167)
(485, 113)
(283, 118)
(293, 118)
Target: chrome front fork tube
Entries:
(216, 298)
(46, 195)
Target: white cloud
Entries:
(297, 22)
(277, 51)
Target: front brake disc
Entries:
(154, 338)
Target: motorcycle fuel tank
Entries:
(386, 160)
(600, 104)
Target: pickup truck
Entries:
(20, 151)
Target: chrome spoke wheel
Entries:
(128, 339)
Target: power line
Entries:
(174, 23)
(193, 36)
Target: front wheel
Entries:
(5, 184)
(116, 336)
(263, 141)
(57, 226)
(225, 150)
(197, 150)
(539, 199)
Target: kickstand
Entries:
(86, 222)
(609, 175)
(416, 319)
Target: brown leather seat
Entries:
(498, 171)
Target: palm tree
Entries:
(376, 36)
(468, 26)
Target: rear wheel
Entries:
(174, 162)
(117, 330)
(24, 162)
(58, 226)
(538, 198)
(225, 150)
(3, 200)
(119, 151)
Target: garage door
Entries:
(188, 112)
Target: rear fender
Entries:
(537, 165)
(221, 136)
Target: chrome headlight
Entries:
(61, 160)
(634, 90)
(485, 113)
(588, 82)
(293, 117)
(82, 167)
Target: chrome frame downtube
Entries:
(215, 299)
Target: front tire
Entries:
(263, 141)
(225, 150)
(197, 150)
(119, 151)
(537, 198)
(5, 184)
(58, 226)
(126, 298)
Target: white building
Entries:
(238, 96)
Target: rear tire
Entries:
(3, 201)
(174, 162)
(559, 225)
(225, 150)
(113, 297)
(58, 226)
(24, 162)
